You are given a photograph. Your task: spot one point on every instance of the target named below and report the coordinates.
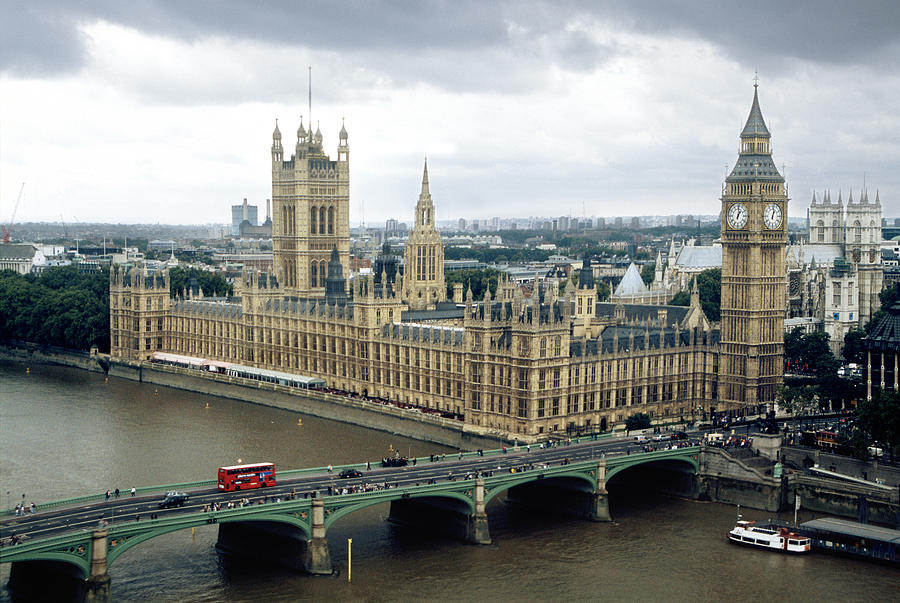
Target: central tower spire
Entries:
(423, 282)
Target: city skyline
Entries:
(165, 115)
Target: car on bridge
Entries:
(348, 473)
(173, 499)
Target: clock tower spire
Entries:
(754, 239)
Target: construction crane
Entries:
(4, 237)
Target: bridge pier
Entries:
(318, 557)
(99, 585)
(600, 499)
(477, 529)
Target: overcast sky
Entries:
(163, 110)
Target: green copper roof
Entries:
(756, 125)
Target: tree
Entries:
(853, 351)
(709, 283)
(477, 279)
(800, 401)
(807, 351)
(879, 419)
(603, 291)
(213, 285)
(638, 420)
(63, 307)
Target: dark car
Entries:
(350, 473)
(173, 499)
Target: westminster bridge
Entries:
(77, 539)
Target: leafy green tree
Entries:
(800, 401)
(213, 285)
(638, 420)
(806, 352)
(853, 351)
(477, 279)
(879, 419)
(604, 290)
(710, 286)
(648, 273)
(63, 307)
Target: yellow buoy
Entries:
(106, 380)
(207, 405)
(299, 422)
(27, 370)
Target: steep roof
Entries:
(885, 336)
(700, 256)
(756, 125)
(631, 283)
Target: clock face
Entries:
(772, 216)
(737, 216)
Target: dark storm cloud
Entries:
(820, 31)
(38, 39)
(43, 37)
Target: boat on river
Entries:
(773, 538)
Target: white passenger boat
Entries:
(775, 538)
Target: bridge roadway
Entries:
(43, 524)
(315, 499)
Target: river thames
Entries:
(66, 432)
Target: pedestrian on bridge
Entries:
(117, 493)
(132, 490)
(107, 495)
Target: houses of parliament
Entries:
(535, 359)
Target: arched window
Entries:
(314, 274)
(557, 346)
(330, 220)
(543, 347)
(323, 272)
(857, 232)
(835, 232)
(820, 227)
(312, 220)
(322, 220)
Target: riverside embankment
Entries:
(736, 477)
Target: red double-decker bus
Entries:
(242, 477)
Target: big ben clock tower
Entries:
(754, 239)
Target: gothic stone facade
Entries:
(526, 361)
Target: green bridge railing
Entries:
(146, 490)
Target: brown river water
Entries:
(66, 432)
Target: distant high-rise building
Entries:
(461, 225)
(635, 222)
(390, 225)
(241, 213)
(600, 223)
(618, 222)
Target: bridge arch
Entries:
(587, 481)
(80, 563)
(688, 461)
(466, 502)
(123, 542)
